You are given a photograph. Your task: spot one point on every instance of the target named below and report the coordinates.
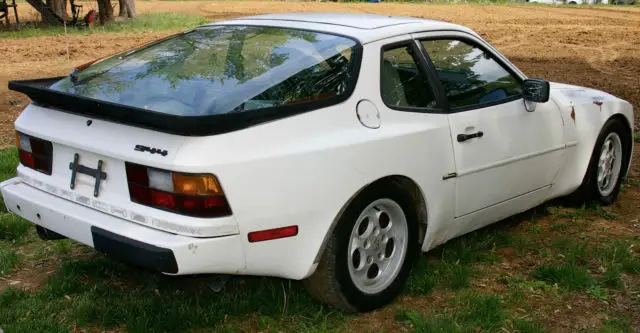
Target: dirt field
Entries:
(594, 47)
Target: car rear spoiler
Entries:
(40, 93)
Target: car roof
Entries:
(365, 28)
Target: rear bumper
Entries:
(128, 241)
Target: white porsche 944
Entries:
(326, 147)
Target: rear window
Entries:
(221, 70)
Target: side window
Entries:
(469, 75)
(403, 84)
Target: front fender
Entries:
(584, 112)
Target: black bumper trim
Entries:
(134, 252)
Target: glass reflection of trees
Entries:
(469, 75)
(221, 69)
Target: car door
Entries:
(501, 150)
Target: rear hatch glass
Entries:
(223, 70)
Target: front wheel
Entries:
(608, 164)
(370, 253)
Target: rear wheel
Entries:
(608, 163)
(370, 253)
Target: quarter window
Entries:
(402, 82)
(469, 75)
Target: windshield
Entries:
(221, 69)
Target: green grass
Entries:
(588, 211)
(8, 260)
(471, 313)
(13, 228)
(97, 291)
(8, 163)
(451, 265)
(570, 276)
(608, 260)
(153, 22)
(616, 325)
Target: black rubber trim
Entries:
(474, 43)
(133, 251)
(433, 81)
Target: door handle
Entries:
(465, 137)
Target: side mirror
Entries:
(535, 90)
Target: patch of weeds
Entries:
(453, 265)
(478, 246)
(559, 226)
(620, 255)
(484, 311)
(429, 273)
(590, 210)
(535, 228)
(459, 276)
(473, 313)
(567, 275)
(632, 181)
(62, 246)
(99, 292)
(598, 292)
(9, 260)
(616, 325)
(540, 285)
(576, 253)
(522, 244)
(527, 326)
(425, 276)
(8, 162)
(518, 285)
(612, 277)
(431, 324)
(13, 228)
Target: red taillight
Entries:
(34, 153)
(263, 235)
(197, 195)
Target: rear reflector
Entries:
(198, 195)
(264, 235)
(34, 153)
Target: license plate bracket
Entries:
(96, 173)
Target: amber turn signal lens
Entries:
(196, 184)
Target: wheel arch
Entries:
(629, 138)
(404, 182)
(572, 174)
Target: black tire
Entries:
(331, 283)
(588, 190)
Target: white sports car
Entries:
(325, 147)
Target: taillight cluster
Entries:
(34, 153)
(198, 195)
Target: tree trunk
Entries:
(45, 11)
(127, 8)
(105, 11)
(59, 7)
